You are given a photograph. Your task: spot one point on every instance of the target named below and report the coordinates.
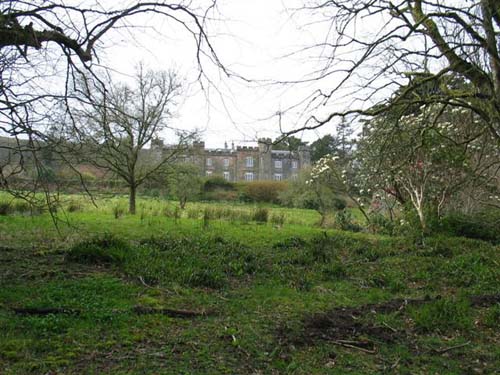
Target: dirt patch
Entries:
(344, 324)
(485, 301)
(350, 326)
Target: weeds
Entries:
(256, 279)
(291, 243)
(104, 249)
(206, 217)
(193, 213)
(74, 206)
(118, 211)
(492, 317)
(443, 315)
(344, 221)
(334, 271)
(261, 215)
(206, 262)
(386, 280)
(177, 214)
(320, 249)
(278, 219)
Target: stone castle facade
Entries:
(244, 163)
(240, 163)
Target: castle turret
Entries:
(157, 143)
(304, 156)
(265, 158)
(199, 145)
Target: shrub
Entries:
(305, 199)
(320, 249)
(5, 208)
(221, 195)
(263, 191)
(261, 215)
(343, 221)
(217, 183)
(104, 249)
(153, 192)
(88, 177)
(482, 226)
(381, 224)
(74, 206)
(47, 175)
(339, 203)
(22, 206)
(298, 194)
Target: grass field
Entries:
(214, 291)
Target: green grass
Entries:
(261, 286)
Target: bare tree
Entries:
(373, 48)
(119, 124)
(46, 45)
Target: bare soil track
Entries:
(349, 326)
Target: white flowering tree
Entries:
(330, 173)
(428, 156)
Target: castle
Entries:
(244, 163)
(240, 163)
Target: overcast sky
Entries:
(252, 38)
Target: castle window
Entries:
(278, 164)
(249, 162)
(295, 164)
(249, 176)
(226, 162)
(209, 162)
(278, 177)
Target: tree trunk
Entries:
(421, 217)
(182, 202)
(131, 200)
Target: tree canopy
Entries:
(119, 124)
(47, 46)
(374, 48)
(290, 143)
